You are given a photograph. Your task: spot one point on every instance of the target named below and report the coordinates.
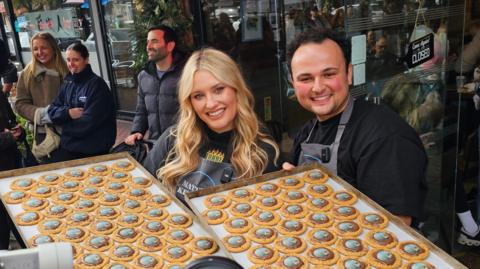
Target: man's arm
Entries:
(140, 121)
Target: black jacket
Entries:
(8, 145)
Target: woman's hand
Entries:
(287, 166)
(75, 113)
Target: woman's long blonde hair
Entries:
(248, 159)
(60, 64)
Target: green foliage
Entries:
(24, 123)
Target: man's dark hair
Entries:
(318, 35)
(169, 34)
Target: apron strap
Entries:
(347, 113)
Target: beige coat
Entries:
(40, 92)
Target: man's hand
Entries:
(467, 88)
(287, 166)
(406, 219)
(75, 113)
(130, 140)
(7, 87)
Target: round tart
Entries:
(217, 202)
(321, 237)
(138, 194)
(95, 181)
(204, 245)
(65, 198)
(262, 235)
(241, 195)
(79, 219)
(344, 198)
(76, 251)
(319, 190)
(50, 179)
(118, 265)
(90, 192)
(290, 244)
(91, 261)
(291, 182)
(236, 243)
(373, 221)
(35, 204)
(293, 196)
(347, 228)
(315, 177)
(50, 226)
(40, 239)
(411, 250)
(351, 247)
(381, 239)
(292, 261)
(102, 227)
(133, 206)
(292, 227)
(57, 211)
(262, 255)
(69, 185)
(23, 184)
(98, 243)
(295, 211)
(43, 191)
(28, 218)
(158, 200)
(319, 204)
(319, 220)
(155, 214)
(322, 256)
(175, 265)
(15, 197)
(123, 252)
(237, 225)
(179, 236)
(117, 187)
(85, 205)
(267, 189)
(130, 220)
(99, 170)
(123, 166)
(141, 182)
(117, 176)
(151, 243)
(126, 235)
(263, 266)
(345, 212)
(74, 234)
(352, 263)
(268, 203)
(266, 218)
(154, 227)
(176, 253)
(75, 174)
(214, 216)
(149, 261)
(179, 220)
(418, 265)
(242, 209)
(384, 258)
(105, 212)
(110, 199)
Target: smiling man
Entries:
(368, 145)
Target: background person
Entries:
(85, 110)
(8, 71)
(217, 133)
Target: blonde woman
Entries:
(218, 137)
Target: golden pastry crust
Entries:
(40, 239)
(267, 189)
(291, 182)
(123, 252)
(176, 253)
(179, 220)
(237, 225)
(28, 218)
(151, 243)
(98, 243)
(268, 203)
(344, 212)
(383, 258)
(91, 260)
(76, 251)
(99, 170)
(292, 261)
(241, 195)
(159, 200)
(319, 190)
(262, 235)
(290, 244)
(90, 192)
(175, 265)
(51, 226)
(43, 191)
(154, 227)
(110, 199)
(74, 234)
(291, 227)
(217, 201)
(126, 235)
(116, 187)
(321, 237)
(236, 243)
(322, 256)
(381, 239)
(79, 219)
(75, 174)
(319, 220)
(86, 205)
(347, 228)
(57, 211)
(263, 266)
(242, 209)
(214, 216)
(266, 218)
(319, 204)
(293, 196)
(149, 261)
(293, 211)
(50, 179)
(351, 262)
(141, 182)
(155, 213)
(133, 206)
(413, 250)
(15, 197)
(115, 264)
(343, 198)
(23, 184)
(373, 220)
(130, 220)
(262, 255)
(351, 247)
(69, 186)
(95, 181)
(123, 165)
(315, 177)
(102, 227)
(138, 194)
(418, 264)
(107, 212)
(119, 176)
(203, 245)
(65, 198)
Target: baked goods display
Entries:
(112, 214)
(305, 220)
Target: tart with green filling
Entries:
(215, 216)
(262, 255)
(373, 221)
(151, 243)
(290, 244)
(203, 245)
(322, 256)
(384, 258)
(291, 182)
(123, 252)
(267, 189)
(343, 198)
(351, 247)
(315, 177)
(413, 250)
(241, 195)
(176, 253)
(123, 165)
(319, 190)
(75, 174)
(92, 260)
(292, 261)
(99, 170)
